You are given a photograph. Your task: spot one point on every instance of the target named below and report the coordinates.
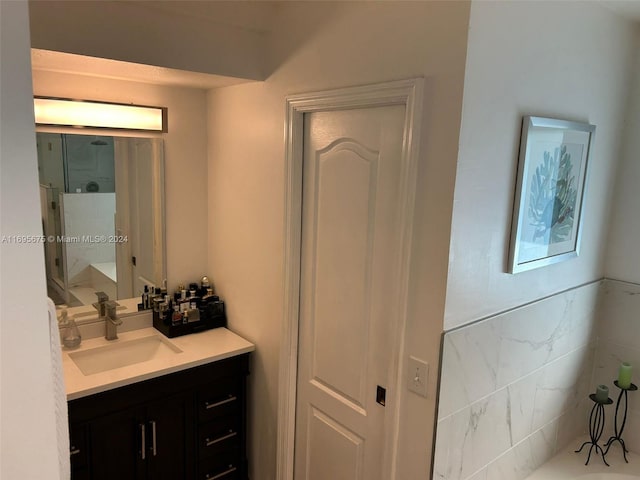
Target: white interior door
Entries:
(348, 292)
(139, 214)
(142, 215)
(124, 265)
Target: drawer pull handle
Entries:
(223, 474)
(231, 434)
(75, 451)
(231, 398)
(153, 437)
(143, 448)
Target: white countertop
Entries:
(197, 349)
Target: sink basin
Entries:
(123, 354)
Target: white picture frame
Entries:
(550, 191)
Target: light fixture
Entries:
(93, 114)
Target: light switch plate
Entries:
(417, 375)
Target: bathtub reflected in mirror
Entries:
(102, 203)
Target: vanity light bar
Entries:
(86, 113)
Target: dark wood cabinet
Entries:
(79, 453)
(166, 421)
(185, 425)
(115, 441)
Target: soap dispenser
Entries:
(69, 332)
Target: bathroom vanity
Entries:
(177, 415)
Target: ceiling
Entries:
(51, 61)
(255, 16)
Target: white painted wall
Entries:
(185, 149)
(28, 442)
(569, 60)
(320, 46)
(623, 259)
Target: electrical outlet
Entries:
(418, 375)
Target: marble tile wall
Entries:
(514, 387)
(619, 341)
(90, 215)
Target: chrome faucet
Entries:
(111, 321)
(107, 310)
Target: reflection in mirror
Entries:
(102, 202)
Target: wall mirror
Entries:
(102, 204)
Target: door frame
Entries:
(408, 93)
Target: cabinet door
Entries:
(79, 451)
(169, 448)
(118, 446)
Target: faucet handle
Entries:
(102, 297)
(111, 315)
(110, 307)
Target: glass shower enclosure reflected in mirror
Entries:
(102, 202)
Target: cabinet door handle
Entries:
(231, 434)
(75, 451)
(153, 437)
(232, 398)
(144, 442)
(222, 474)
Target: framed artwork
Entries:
(550, 189)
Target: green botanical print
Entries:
(553, 198)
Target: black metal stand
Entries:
(618, 431)
(596, 427)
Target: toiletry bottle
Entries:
(145, 297)
(154, 298)
(193, 296)
(69, 332)
(204, 286)
(176, 317)
(157, 301)
(163, 309)
(185, 300)
(150, 297)
(208, 294)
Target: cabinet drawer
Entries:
(223, 399)
(220, 436)
(229, 470)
